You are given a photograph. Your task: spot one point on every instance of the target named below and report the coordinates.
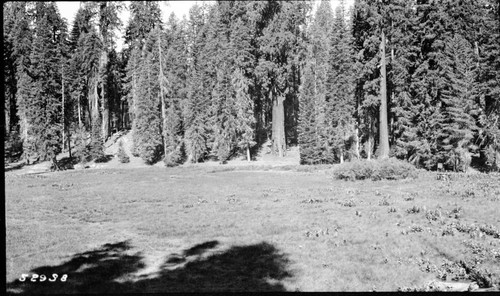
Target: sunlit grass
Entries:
(338, 235)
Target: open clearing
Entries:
(202, 228)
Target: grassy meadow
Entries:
(232, 229)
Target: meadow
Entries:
(248, 229)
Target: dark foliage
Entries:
(387, 169)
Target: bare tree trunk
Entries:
(356, 135)
(162, 99)
(278, 133)
(7, 117)
(273, 125)
(55, 165)
(384, 132)
(69, 145)
(63, 117)
(369, 144)
(248, 153)
(104, 95)
(79, 113)
(95, 103)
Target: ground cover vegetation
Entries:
(203, 228)
(415, 80)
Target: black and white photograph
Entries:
(251, 146)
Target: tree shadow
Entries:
(111, 269)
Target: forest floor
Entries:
(261, 158)
(267, 228)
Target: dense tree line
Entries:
(417, 80)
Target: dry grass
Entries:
(280, 229)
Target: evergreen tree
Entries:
(282, 46)
(220, 62)
(307, 119)
(42, 101)
(488, 49)
(106, 14)
(144, 15)
(340, 94)
(244, 108)
(429, 82)
(315, 147)
(175, 68)
(18, 34)
(12, 10)
(243, 57)
(148, 115)
(196, 107)
(366, 28)
(81, 78)
(460, 107)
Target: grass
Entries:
(115, 230)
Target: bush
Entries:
(388, 169)
(96, 142)
(82, 150)
(174, 158)
(13, 147)
(122, 155)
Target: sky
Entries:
(180, 8)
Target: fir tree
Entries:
(307, 119)
(244, 108)
(460, 106)
(144, 16)
(148, 116)
(366, 26)
(43, 99)
(196, 107)
(175, 71)
(281, 45)
(488, 48)
(340, 94)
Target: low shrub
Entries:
(387, 169)
(122, 155)
(82, 150)
(173, 159)
(13, 148)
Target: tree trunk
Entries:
(278, 132)
(63, 117)
(55, 165)
(369, 144)
(356, 135)
(7, 117)
(104, 96)
(95, 104)
(384, 132)
(79, 113)
(341, 156)
(162, 99)
(69, 145)
(248, 153)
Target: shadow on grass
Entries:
(109, 269)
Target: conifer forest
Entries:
(300, 145)
(415, 80)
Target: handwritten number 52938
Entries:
(42, 277)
